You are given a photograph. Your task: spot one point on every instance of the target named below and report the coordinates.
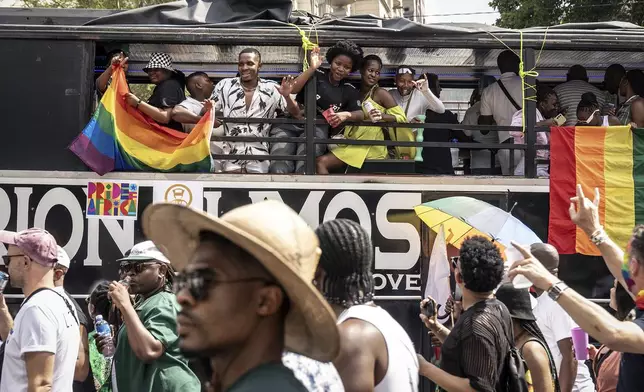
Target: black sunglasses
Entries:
(137, 268)
(7, 258)
(198, 282)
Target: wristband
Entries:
(599, 236)
(557, 289)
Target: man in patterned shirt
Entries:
(249, 96)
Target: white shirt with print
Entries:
(266, 103)
(43, 324)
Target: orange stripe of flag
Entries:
(589, 156)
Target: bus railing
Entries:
(311, 140)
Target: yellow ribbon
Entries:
(307, 45)
(523, 73)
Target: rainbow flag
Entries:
(120, 137)
(608, 158)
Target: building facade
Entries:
(411, 9)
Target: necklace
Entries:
(249, 90)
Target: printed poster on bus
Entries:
(112, 200)
(184, 193)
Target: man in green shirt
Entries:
(147, 354)
(246, 292)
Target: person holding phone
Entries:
(338, 101)
(547, 112)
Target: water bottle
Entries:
(103, 328)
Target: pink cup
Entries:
(580, 343)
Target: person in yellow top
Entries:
(378, 106)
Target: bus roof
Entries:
(366, 30)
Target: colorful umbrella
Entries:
(465, 217)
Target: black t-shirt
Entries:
(271, 377)
(437, 160)
(88, 384)
(342, 97)
(167, 95)
(632, 365)
(477, 346)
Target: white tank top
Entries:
(402, 372)
(605, 121)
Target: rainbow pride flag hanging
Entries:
(608, 158)
(120, 137)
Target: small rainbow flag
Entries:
(119, 137)
(608, 158)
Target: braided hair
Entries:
(102, 304)
(347, 256)
(531, 327)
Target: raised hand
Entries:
(532, 269)
(316, 60)
(286, 88)
(585, 213)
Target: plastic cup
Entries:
(519, 282)
(580, 343)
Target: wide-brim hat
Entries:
(160, 61)
(280, 240)
(518, 301)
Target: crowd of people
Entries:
(415, 99)
(259, 301)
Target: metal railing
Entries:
(311, 121)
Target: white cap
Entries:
(144, 251)
(63, 257)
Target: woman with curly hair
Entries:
(377, 104)
(337, 100)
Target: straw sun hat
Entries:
(280, 240)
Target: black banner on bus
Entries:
(94, 244)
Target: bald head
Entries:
(547, 255)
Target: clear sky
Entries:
(480, 11)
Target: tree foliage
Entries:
(517, 14)
(92, 4)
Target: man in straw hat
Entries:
(376, 353)
(42, 344)
(246, 291)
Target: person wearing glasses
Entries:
(147, 356)
(246, 292)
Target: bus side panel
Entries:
(46, 99)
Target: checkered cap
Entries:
(159, 61)
(37, 244)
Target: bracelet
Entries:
(599, 236)
(137, 104)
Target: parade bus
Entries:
(51, 59)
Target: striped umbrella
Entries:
(465, 217)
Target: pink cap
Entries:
(37, 244)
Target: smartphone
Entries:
(560, 119)
(327, 114)
(458, 294)
(429, 309)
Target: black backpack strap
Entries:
(597, 362)
(507, 94)
(69, 307)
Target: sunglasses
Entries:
(137, 268)
(199, 281)
(7, 258)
